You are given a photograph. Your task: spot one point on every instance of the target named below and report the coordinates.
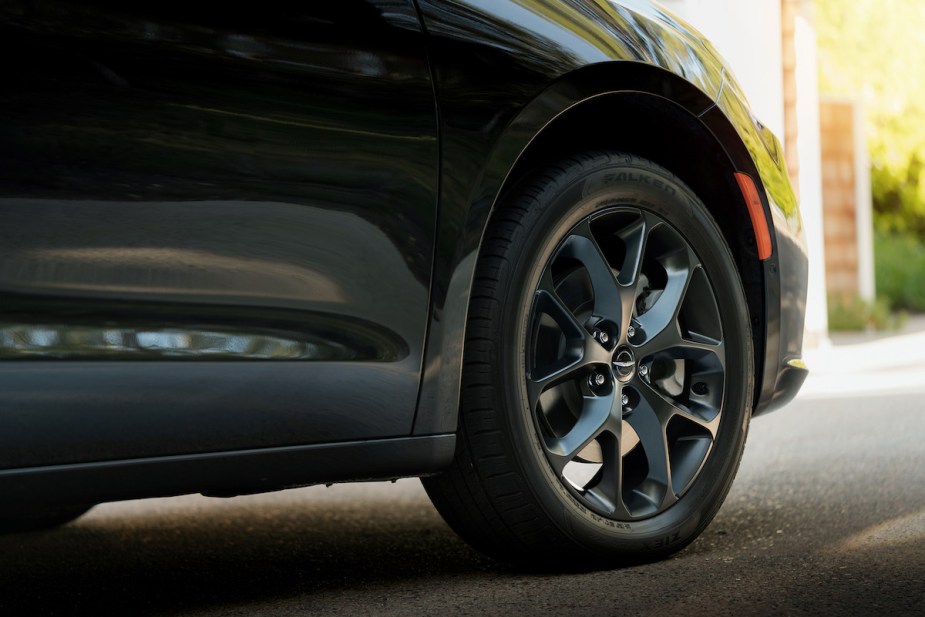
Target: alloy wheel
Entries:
(625, 363)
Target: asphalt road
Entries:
(826, 517)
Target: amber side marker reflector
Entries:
(756, 212)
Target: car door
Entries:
(216, 225)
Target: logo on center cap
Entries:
(624, 364)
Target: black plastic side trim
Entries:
(227, 473)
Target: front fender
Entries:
(464, 215)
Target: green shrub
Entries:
(857, 314)
(899, 197)
(899, 266)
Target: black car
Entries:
(538, 252)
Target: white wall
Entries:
(809, 151)
(747, 33)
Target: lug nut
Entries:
(630, 332)
(601, 337)
(596, 380)
(700, 388)
(625, 400)
(643, 370)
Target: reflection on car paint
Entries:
(67, 341)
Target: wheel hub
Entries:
(624, 364)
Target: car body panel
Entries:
(185, 183)
(244, 260)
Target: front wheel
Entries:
(608, 370)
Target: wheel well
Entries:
(661, 131)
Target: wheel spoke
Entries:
(634, 237)
(649, 421)
(664, 313)
(595, 417)
(548, 302)
(664, 409)
(582, 247)
(607, 492)
(539, 382)
(577, 339)
(670, 338)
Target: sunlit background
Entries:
(839, 82)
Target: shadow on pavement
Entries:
(181, 561)
(827, 516)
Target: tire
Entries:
(16, 520)
(584, 442)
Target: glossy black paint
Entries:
(219, 226)
(210, 181)
(59, 412)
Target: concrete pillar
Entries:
(809, 151)
(864, 200)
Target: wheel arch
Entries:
(588, 103)
(666, 133)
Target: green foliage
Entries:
(899, 197)
(874, 49)
(899, 268)
(849, 315)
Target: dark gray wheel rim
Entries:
(625, 363)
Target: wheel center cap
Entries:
(624, 364)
